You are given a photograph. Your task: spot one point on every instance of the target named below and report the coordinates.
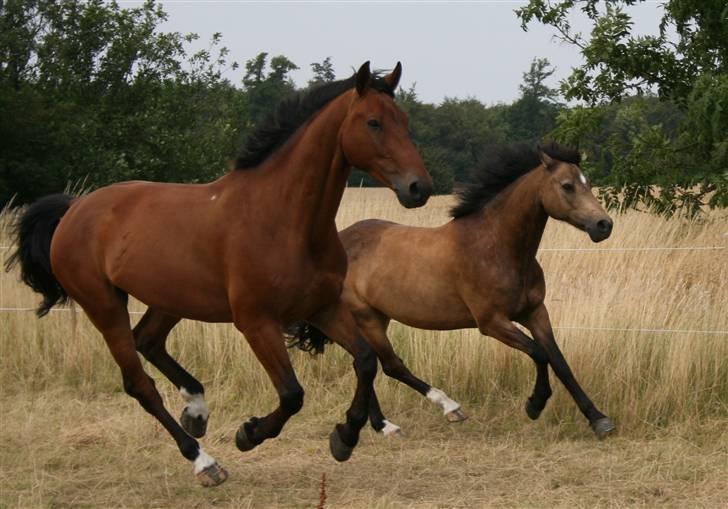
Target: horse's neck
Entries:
(309, 174)
(517, 219)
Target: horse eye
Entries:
(374, 123)
(568, 187)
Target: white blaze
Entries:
(582, 178)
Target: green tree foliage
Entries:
(533, 115)
(675, 166)
(323, 72)
(264, 86)
(92, 92)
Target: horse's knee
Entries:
(292, 401)
(538, 353)
(365, 363)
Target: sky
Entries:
(449, 49)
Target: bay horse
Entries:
(257, 247)
(478, 270)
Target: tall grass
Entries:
(644, 380)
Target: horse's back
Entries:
(408, 273)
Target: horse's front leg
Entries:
(540, 326)
(266, 340)
(337, 323)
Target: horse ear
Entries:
(363, 78)
(392, 79)
(546, 159)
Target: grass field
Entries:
(74, 439)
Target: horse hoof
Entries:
(603, 427)
(242, 441)
(532, 410)
(339, 450)
(195, 426)
(456, 415)
(214, 475)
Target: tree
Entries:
(668, 171)
(265, 88)
(95, 93)
(322, 72)
(533, 115)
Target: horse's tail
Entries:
(33, 232)
(306, 337)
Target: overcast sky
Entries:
(450, 49)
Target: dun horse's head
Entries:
(567, 196)
(375, 138)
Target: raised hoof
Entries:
(242, 441)
(195, 426)
(214, 475)
(339, 450)
(456, 415)
(603, 427)
(532, 410)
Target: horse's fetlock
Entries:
(292, 401)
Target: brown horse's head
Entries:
(567, 196)
(375, 138)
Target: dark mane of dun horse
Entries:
(478, 270)
(257, 247)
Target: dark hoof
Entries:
(532, 410)
(456, 415)
(242, 437)
(195, 426)
(603, 427)
(214, 475)
(339, 450)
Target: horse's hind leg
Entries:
(338, 324)
(266, 341)
(108, 313)
(150, 335)
(373, 326)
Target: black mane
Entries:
(502, 166)
(291, 113)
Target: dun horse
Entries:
(258, 248)
(478, 270)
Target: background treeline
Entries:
(92, 93)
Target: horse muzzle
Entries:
(599, 230)
(413, 193)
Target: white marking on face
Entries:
(213, 197)
(196, 404)
(440, 398)
(582, 178)
(202, 461)
(390, 429)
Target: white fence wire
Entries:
(555, 249)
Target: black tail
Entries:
(33, 233)
(306, 337)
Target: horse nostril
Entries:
(414, 190)
(604, 226)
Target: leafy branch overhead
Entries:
(669, 166)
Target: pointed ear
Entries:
(546, 159)
(363, 78)
(392, 79)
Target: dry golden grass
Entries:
(74, 439)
